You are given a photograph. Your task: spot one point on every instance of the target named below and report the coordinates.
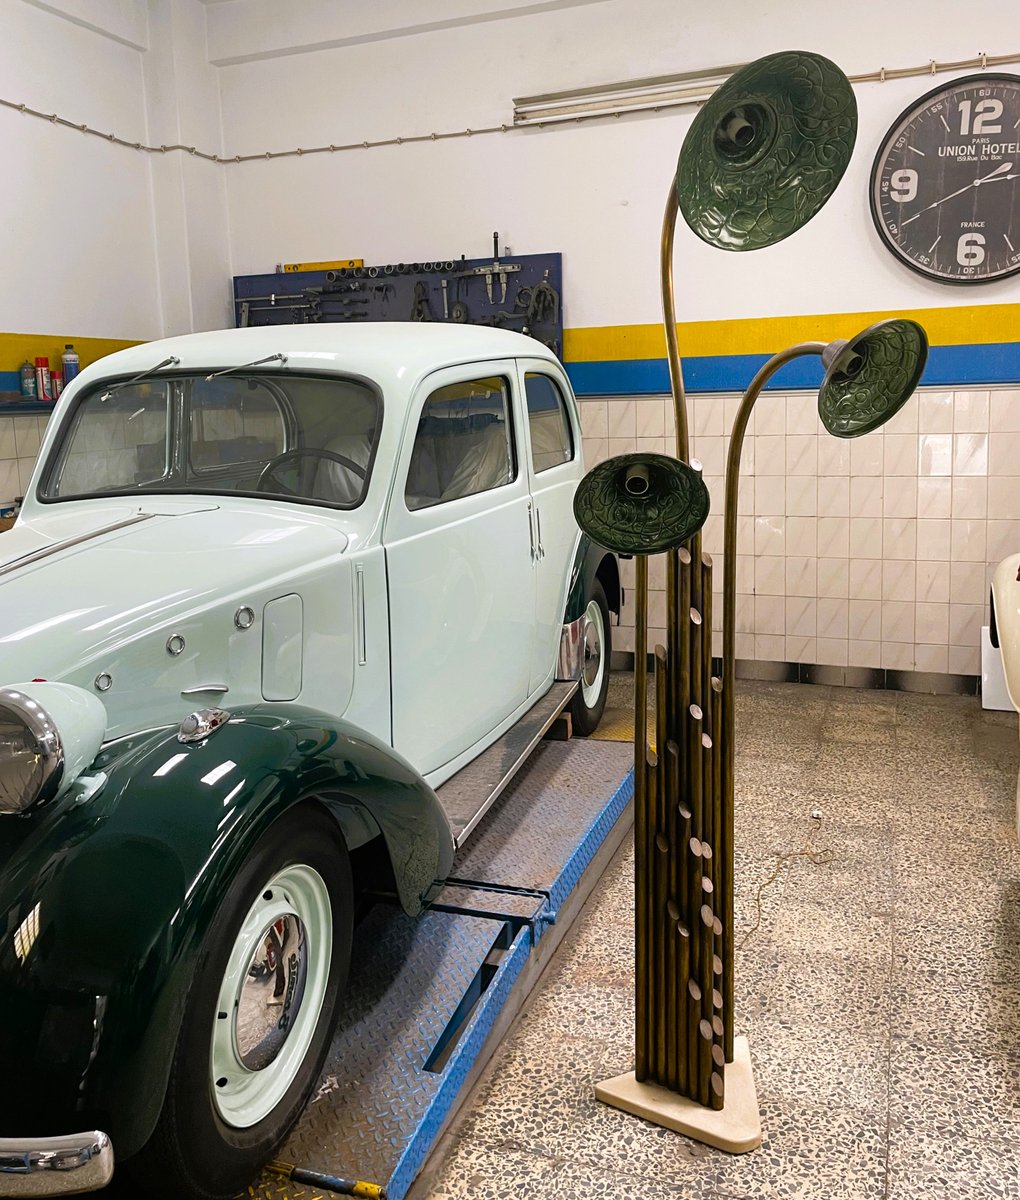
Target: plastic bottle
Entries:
(71, 363)
(43, 391)
(28, 380)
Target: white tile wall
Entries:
(876, 552)
(19, 445)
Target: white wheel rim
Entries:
(253, 1025)
(594, 666)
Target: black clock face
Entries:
(945, 187)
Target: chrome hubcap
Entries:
(271, 996)
(271, 993)
(593, 667)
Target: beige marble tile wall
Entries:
(875, 552)
(19, 445)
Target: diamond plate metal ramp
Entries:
(547, 826)
(379, 1109)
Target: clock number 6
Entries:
(903, 185)
(970, 250)
(986, 112)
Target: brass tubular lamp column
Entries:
(760, 159)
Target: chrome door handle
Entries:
(531, 530)
(202, 688)
(538, 522)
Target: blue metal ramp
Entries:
(425, 996)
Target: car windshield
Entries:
(303, 438)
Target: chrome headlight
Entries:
(31, 756)
(49, 732)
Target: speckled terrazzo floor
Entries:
(880, 994)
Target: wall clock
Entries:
(945, 187)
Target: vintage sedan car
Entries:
(269, 590)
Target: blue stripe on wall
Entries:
(948, 366)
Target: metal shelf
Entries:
(13, 404)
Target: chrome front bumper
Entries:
(58, 1166)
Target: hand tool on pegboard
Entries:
(488, 270)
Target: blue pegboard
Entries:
(523, 293)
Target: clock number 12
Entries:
(986, 112)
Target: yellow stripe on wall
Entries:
(15, 348)
(979, 324)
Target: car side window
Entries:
(551, 440)
(464, 443)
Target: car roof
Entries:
(386, 351)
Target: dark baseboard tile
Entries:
(928, 682)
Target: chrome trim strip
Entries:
(56, 1166)
(570, 660)
(67, 543)
(360, 625)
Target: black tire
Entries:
(586, 711)
(193, 1153)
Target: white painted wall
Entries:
(77, 238)
(326, 73)
(189, 193)
(98, 240)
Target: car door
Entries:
(459, 565)
(554, 468)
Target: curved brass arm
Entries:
(729, 641)
(676, 377)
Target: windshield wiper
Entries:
(280, 358)
(172, 361)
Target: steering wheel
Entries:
(304, 452)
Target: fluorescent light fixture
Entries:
(612, 99)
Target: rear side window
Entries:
(551, 441)
(464, 443)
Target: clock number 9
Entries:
(903, 185)
(970, 250)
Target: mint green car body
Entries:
(286, 614)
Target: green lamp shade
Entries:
(641, 503)
(871, 377)
(766, 151)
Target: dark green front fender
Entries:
(106, 903)
(592, 562)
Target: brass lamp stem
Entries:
(676, 377)
(729, 652)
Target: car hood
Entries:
(103, 590)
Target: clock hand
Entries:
(1006, 166)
